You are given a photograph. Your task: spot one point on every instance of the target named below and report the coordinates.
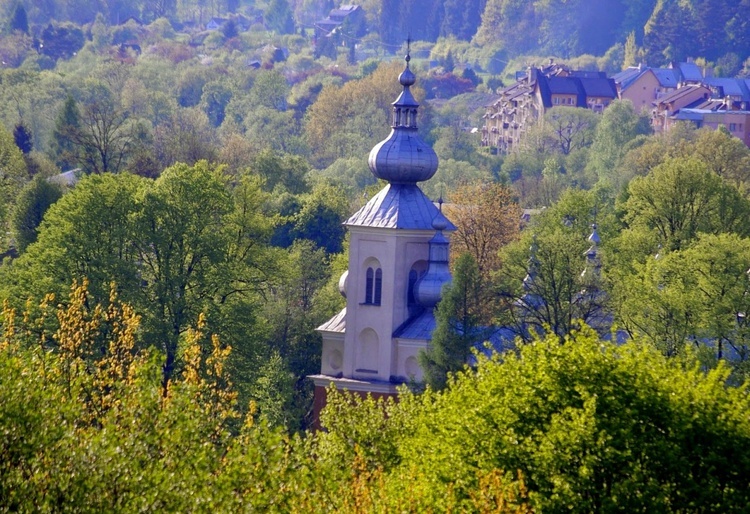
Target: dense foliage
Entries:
(88, 425)
(209, 170)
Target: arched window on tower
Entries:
(368, 285)
(378, 286)
(373, 286)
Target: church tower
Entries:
(398, 263)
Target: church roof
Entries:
(335, 324)
(402, 206)
(417, 327)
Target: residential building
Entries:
(665, 108)
(520, 105)
(643, 85)
(346, 16)
(715, 101)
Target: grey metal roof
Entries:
(691, 114)
(403, 157)
(335, 324)
(562, 85)
(401, 206)
(419, 327)
(599, 87)
(690, 71)
(730, 87)
(500, 340)
(666, 77)
(628, 76)
(680, 93)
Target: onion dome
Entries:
(403, 158)
(429, 288)
(343, 283)
(593, 265)
(530, 299)
(533, 269)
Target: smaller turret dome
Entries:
(407, 78)
(429, 288)
(343, 281)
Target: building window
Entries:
(732, 127)
(556, 101)
(378, 286)
(373, 286)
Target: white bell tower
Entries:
(372, 345)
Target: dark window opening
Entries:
(368, 285)
(378, 286)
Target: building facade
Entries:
(522, 104)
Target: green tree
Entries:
(619, 125)
(180, 246)
(19, 20)
(214, 101)
(182, 238)
(725, 155)
(321, 217)
(68, 121)
(571, 128)
(185, 136)
(694, 296)
(458, 327)
(557, 412)
(280, 170)
(85, 234)
(270, 89)
(292, 312)
(13, 172)
(546, 283)
(631, 51)
(98, 133)
(681, 198)
(32, 203)
(278, 15)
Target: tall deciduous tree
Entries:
(13, 171)
(619, 125)
(487, 217)
(176, 247)
(681, 198)
(571, 128)
(32, 203)
(695, 296)
(99, 133)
